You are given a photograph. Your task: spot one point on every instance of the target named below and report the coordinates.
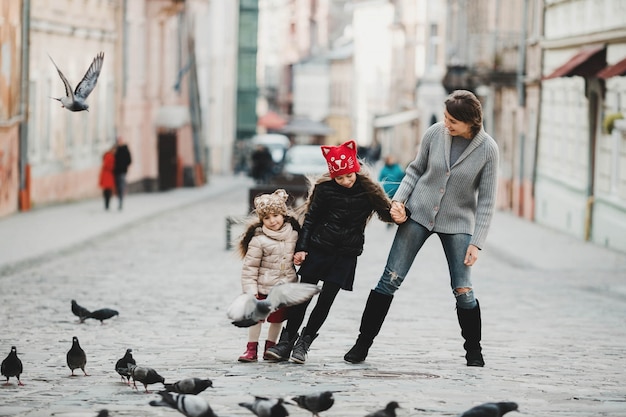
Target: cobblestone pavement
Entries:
(554, 331)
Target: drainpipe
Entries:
(23, 166)
(521, 91)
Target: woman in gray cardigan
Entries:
(449, 190)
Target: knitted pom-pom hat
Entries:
(275, 203)
(341, 159)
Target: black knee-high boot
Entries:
(372, 320)
(470, 323)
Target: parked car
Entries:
(304, 160)
(276, 143)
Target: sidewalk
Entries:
(42, 233)
(39, 234)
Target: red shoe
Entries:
(268, 344)
(250, 354)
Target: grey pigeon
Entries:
(122, 365)
(315, 403)
(491, 409)
(388, 411)
(80, 311)
(76, 357)
(75, 100)
(12, 366)
(246, 310)
(189, 386)
(188, 404)
(145, 375)
(103, 314)
(266, 407)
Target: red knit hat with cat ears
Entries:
(341, 159)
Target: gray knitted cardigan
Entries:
(457, 199)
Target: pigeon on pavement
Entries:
(266, 407)
(315, 403)
(246, 310)
(12, 366)
(103, 314)
(121, 366)
(188, 404)
(76, 357)
(80, 311)
(189, 386)
(388, 411)
(75, 101)
(491, 409)
(145, 375)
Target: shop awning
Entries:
(271, 120)
(394, 119)
(586, 63)
(305, 126)
(614, 70)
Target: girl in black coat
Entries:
(331, 239)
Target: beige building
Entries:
(581, 177)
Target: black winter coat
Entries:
(122, 159)
(336, 218)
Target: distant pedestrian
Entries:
(332, 237)
(107, 177)
(262, 164)
(448, 190)
(267, 248)
(123, 160)
(391, 174)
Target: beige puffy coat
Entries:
(269, 259)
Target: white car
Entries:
(304, 160)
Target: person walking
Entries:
(267, 248)
(448, 190)
(390, 176)
(107, 177)
(331, 239)
(122, 162)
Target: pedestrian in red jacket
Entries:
(107, 177)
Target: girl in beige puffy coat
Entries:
(267, 249)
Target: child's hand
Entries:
(398, 213)
(299, 257)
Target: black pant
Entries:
(319, 314)
(107, 193)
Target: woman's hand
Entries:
(299, 257)
(398, 213)
(471, 256)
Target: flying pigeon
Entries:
(388, 411)
(266, 407)
(315, 403)
(75, 101)
(188, 404)
(146, 376)
(491, 409)
(12, 366)
(122, 365)
(189, 386)
(76, 357)
(246, 310)
(103, 314)
(80, 311)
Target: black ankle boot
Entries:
(300, 349)
(373, 317)
(470, 322)
(281, 351)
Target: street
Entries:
(554, 324)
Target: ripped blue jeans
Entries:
(409, 239)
